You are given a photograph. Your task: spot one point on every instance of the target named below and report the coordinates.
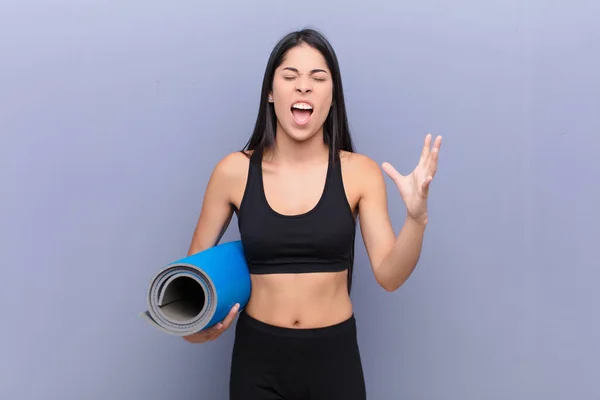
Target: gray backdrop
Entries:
(113, 113)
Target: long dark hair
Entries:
(336, 130)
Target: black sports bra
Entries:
(320, 240)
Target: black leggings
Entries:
(276, 363)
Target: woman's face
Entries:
(302, 92)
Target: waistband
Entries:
(345, 326)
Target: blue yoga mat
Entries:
(196, 292)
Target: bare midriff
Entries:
(308, 300)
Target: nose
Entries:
(302, 86)
(303, 89)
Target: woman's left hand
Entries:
(414, 188)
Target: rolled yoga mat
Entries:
(196, 292)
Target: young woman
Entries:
(297, 189)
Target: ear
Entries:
(270, 97)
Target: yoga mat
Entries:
(196, 292)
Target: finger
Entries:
(217, 333)
(426, 146)
(391, 171)
(432, 160)
(426, 184)
(213, 330)
(229, 318)
(437, 143)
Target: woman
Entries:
(297, 189)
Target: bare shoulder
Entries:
(361, 171)
(232, 166)
(230, 175)
(359, 163)
(224, 189)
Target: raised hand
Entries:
(414, 188)
(215, 331)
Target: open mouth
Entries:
(301, 112)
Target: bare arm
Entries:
(393, 258)
(215, 216)
(217, 210)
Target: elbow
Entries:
(388, 285)
(390, 288)
(390, 281)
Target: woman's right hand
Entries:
(215, 331)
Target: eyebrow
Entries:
(313, 71)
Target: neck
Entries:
(291, 151)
